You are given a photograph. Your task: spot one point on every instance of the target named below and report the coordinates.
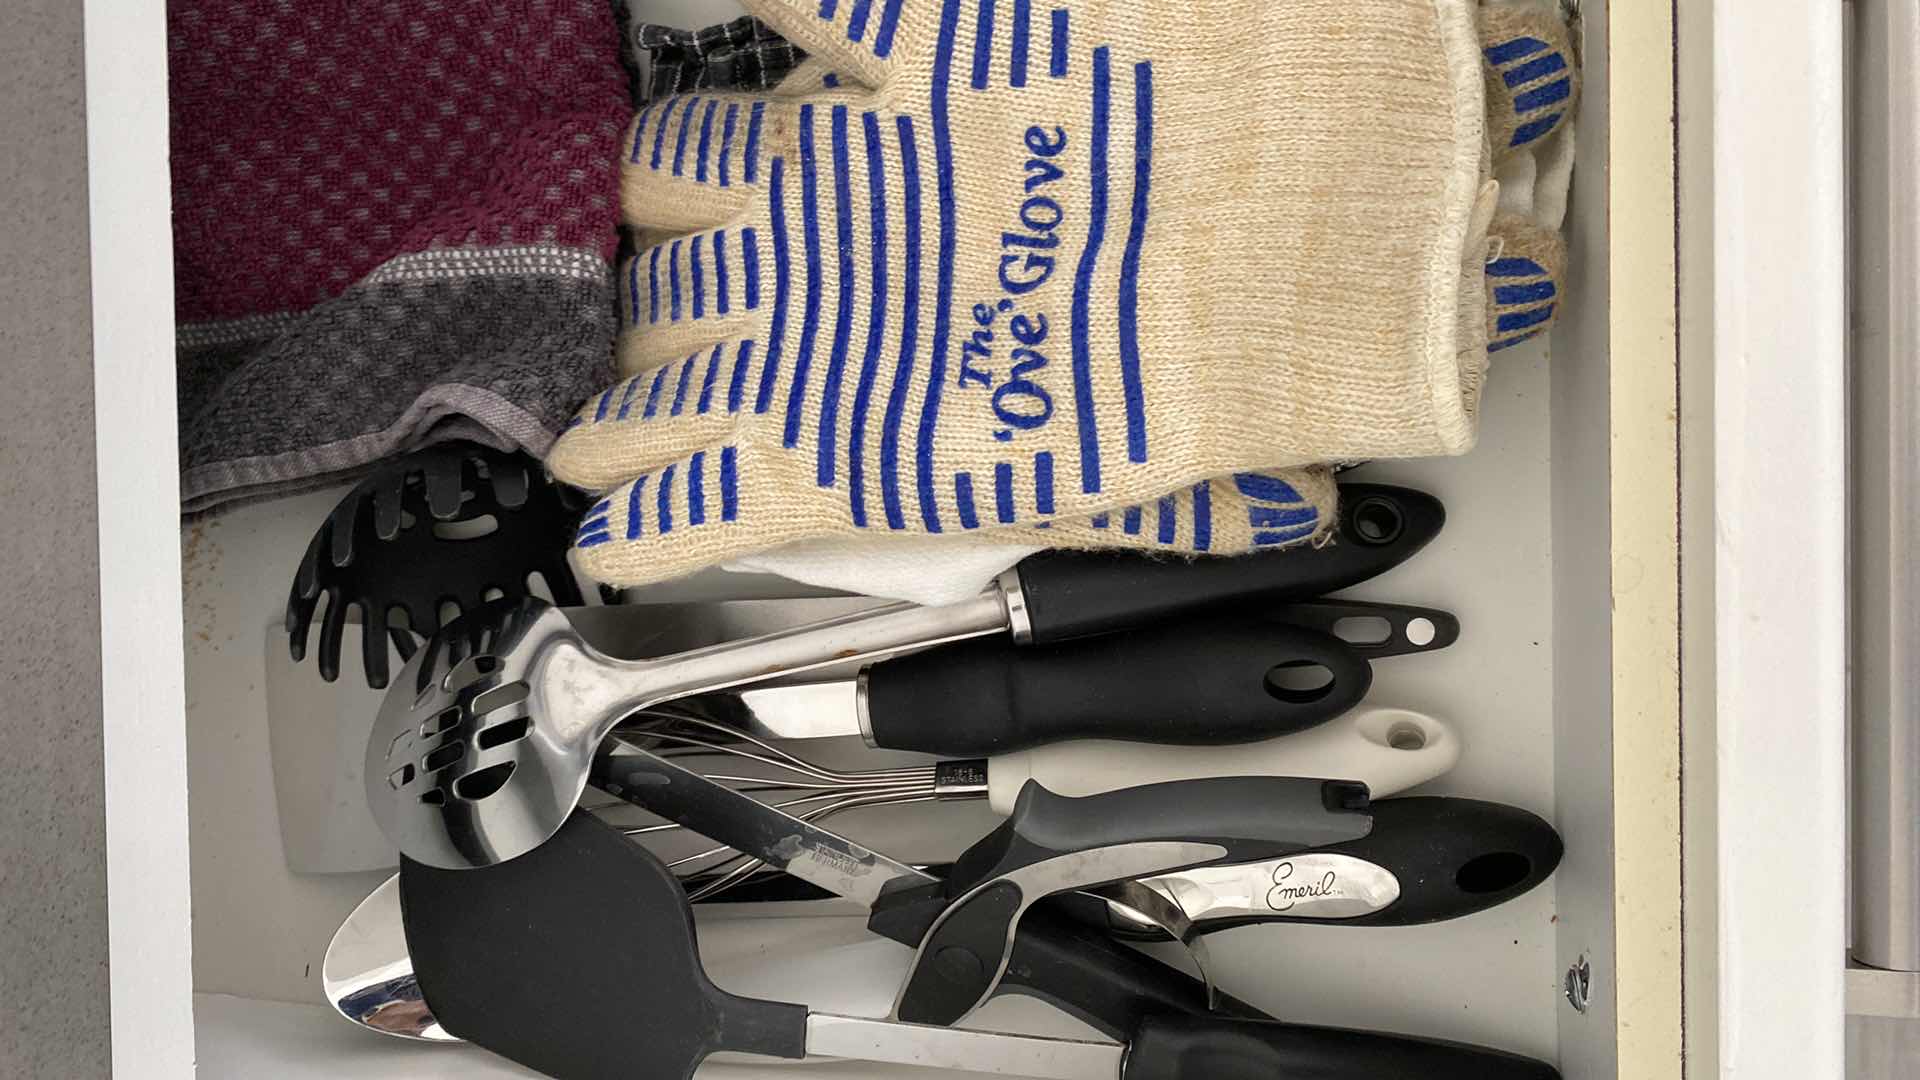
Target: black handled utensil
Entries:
(602, 979)
(482, 748)
(1051, 844)
(1077, 967)
(1198, 681)
(1429, 858)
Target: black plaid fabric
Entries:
(739, 55)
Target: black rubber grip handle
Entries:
(1251, 818)
(1175, 1047)
(1196, 681)
(1079, 594)
(1374, 629)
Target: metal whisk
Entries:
(820, 792)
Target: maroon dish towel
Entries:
(392, 226)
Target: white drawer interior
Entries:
(1525, 686)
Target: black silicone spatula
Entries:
(579, 960)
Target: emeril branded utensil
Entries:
(482, 747)
(1072, 965)
(1426, 859)
(1388, 750)
(602, 979)
(451, 524)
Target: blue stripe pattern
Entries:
(663, 504)
(680, 389)
(741, 362)
(750, 258)
(1203, 516)
(720, 291)
(1083, 277)
(633, 289)
(653, 394)
(1168, 520)
(770, 363)
(982, 44)
(1524, 60)
(1003, 492)
(1022, 31)
(594, 530)
(1290, 520)
(1043, 482)
(639, 134)
(626, 399)
(1518, 280)
(633, 508)
(883, 38)
(876, 320)
(909, 327)
(943, 298)
(729, 485)
(810, 313)
(750, 171)
(1540, 97)
(1098, 521)
(1130, 521)
(1130, 382)
(843, 312)
(653, 285)
(660, 132)
(1508, 51)
(706, 384)
(673, 278)
(706, 141)
(698, 277)
(857, 19)
(726, 144)
(680, 143)
(697, 485)
(963, 500)
(606, 400)
(1057, 65)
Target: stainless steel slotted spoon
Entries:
(484, 743)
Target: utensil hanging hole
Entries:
(1300, 682)
(1406, 737)
(482, 783)
(1421, 631)
(1376, 521)
(502, 734)
(1493, 872)
(445, 755)
(467, 528)
(1363, 630)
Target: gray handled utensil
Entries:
(482, 746)
(1052, 844)
(601, 980)
(1072, 965)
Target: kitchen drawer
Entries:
(1562, 555)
